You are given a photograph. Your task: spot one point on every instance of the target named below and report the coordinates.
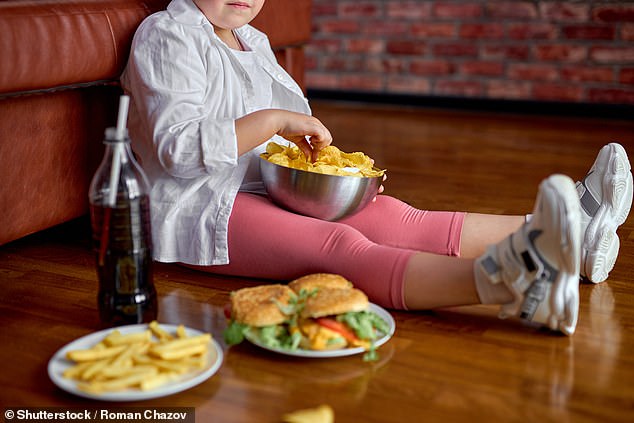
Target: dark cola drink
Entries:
(124, 266)
(122, 236)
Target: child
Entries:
(207, 95)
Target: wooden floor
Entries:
(479, 367)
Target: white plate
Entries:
(334, 353)
(59, 363)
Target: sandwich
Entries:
(263, 311)
(315, 312)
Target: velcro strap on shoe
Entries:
(588, 203)
(490, 266)
(528, 261)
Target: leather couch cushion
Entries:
(48, 44)
(55, 44)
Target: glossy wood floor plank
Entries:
(461, 364)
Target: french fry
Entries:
(154, 382)
(159, 332)
(142, 360)
(181, 343)
(92, 354)
(94, 368)
(127, 354)
(75, 371)
(130, 338)
(117, 384)
(178, 353)
(180, 332)
(178, 367)
(113, 372)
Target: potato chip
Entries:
(330, 161)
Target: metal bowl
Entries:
(327, 197)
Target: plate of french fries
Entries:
(135, 362)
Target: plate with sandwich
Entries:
(319, 315)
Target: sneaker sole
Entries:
(566, 286)
(601, 243)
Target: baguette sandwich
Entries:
(315, 312)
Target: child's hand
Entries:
(305, 131)
(381, 188)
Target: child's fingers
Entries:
(304, 146)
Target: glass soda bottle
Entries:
(122, 238)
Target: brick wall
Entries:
(571, 51)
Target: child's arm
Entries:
(257, 127)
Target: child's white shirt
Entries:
(262, 98)
(187, 87)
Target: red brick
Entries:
(364, 45)
(554, 50)
(587, 74)
(615, 95)
(564, 11)
(455, 50)
(408, 9)
(508, 89)
(384, 65)
(501, 52)
(408, 85)
(614, 13)
(334, 26)
(627, 76)
(355, 64)
(324, 8)
(480, 68)
(609, 54)
(532, 31)
(310, 62)
(458, 88)
(447, 10)
(333, 63)
(532, 72)
(363, 9)
(627, 32)
(589, 32)
(433, 30)
(322, 80)
(406, 47)
(431, 67)
(361, 82)
(388, 28)
(486, 31)
(326, 45)
(561, 52)
(512, 9)
(557, 92)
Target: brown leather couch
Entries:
(59, 89)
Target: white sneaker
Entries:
(539, 263)
(606, 198)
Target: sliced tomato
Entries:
(227, 310)
(340, 328)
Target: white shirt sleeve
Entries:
(169, 77)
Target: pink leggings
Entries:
(371, 248)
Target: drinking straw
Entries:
(115, 169)
(124, 102)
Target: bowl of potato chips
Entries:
(336, 185)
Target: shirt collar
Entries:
(187, 13)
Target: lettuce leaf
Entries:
(278, 336)
(366, 324)
(234, 333)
